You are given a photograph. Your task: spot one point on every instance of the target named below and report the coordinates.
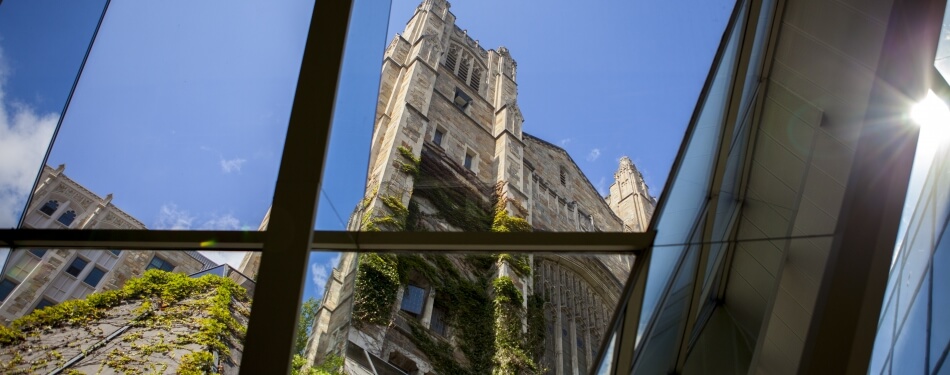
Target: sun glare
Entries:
(931, 114)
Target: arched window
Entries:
(50, 207)
(451, 59)
(476, 77)
(67, 217)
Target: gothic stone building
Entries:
(35, 278)
(449, 154)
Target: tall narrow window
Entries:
(159, 263)
(67, 217)
(468, 161)
(476, 77)
(563, 177)
(413, 299)
(50, 207)
(438, 319)
(463, 67)
(451, 58)
(6, 287)
(437, 137)
(77, 266)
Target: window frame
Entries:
(73, 263)
(7, 280)
(85, 279)
(289, 237)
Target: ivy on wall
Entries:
(377, 284)
(206, 305)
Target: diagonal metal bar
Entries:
(269, 344)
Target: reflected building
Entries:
(35, 278)
(449, 154)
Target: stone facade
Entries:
(49, 276)
(449, 153)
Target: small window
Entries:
(413, 299)
(115, 252)
(44, 303)
(463, 67)
(94, 276)
(563, 177)
(437, 137)
(50, 207)
(438, 319)
(77, 266)
(462, 100)
(67, 217)
(39, 253)
(468, 161)
(6, 287)
(159, 263)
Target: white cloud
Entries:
(602, 186)
(320, 273)
(171, 217)
(222, 222)
(24, 138)
(593, 155)
(565, 141)
(232, 165)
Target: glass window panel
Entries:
(22, 266)
(38, 252)
(448, 125)
(687, 196)
(659, 354)
(159, 263)
(910, 348)
(42, 49)
(918, 252)
(216, 82)
(413, 299)
(6, 287)
(76, 267)
(557, 304)
(883, 341)
(940, 303)
(44, 303)
(942, 59)
(94, 276)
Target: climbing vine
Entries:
(207, 306)
(377, 284)
(510, 354)
(411, 166)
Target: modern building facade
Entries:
(40, 277)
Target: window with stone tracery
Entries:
(465, 67)
(50, 207)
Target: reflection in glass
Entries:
(687, 197)
(451, 314)
(92, 311)
(41, 51)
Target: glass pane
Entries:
(910, 348)
(178, 119)
(534, 311)
(687, 197)
(474, 108)
(942, 59)
(940, 300)
(41, 49)
(129, 320)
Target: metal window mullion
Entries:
(268, 346)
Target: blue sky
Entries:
(182, 109)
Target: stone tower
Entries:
(630, 197)
(449, 153)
